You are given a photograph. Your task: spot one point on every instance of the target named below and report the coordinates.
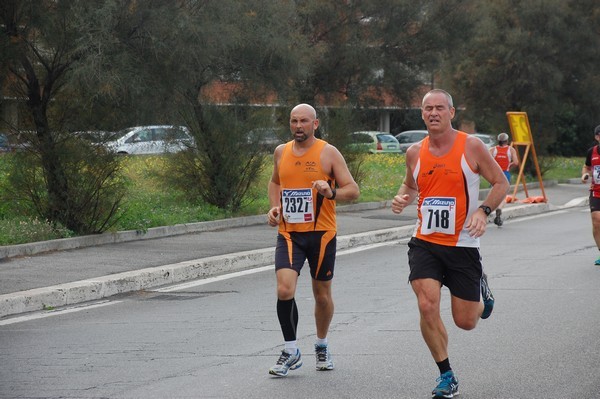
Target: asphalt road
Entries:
(216, 338)
(65, 272)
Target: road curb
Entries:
(98, 288)
(102, 287)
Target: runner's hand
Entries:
(273, 216)
(322, 188)
(399, 203)
(585, 177)
(477, 225)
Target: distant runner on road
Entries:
(591, 168)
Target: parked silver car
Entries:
(267, 138)
(96, 136)
(409, 137)
(488, 139)
(151, 140)
(374, 142)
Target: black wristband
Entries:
(333, 194)
(486, 209)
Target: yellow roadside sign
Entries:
(523, 139)
(519, 127)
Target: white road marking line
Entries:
(209, 280)
(196, 283)
(57, 312)
(370, 246)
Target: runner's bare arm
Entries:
(274, 190)
(478, 156)
(585, 173)
(408, 190)
(481, 161)
(334, 162)
(514, 158)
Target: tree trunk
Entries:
(58, 208)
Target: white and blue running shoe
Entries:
(287, 361)
(324, 360)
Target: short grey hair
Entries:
(444, 92)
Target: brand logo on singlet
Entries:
(298, 193)
(438, 201)
(310, 167)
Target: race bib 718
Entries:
(438, 215)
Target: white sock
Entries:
(291, 347)
(321, 341)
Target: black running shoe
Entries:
(498, 219)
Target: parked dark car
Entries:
(10, 142)
(4, 145)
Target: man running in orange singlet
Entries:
(507, 158)
(443, 171)
(302, 193)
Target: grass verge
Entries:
(150, 204)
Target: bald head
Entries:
(303, 122)
(305, 108)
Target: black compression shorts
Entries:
(318, 247)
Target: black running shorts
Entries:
(594, 203)
(318, 247)
(458, 268)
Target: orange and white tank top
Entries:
(448, 195)
(503, 156)
(302, 208)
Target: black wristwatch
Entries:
(333, 194)
(486, 209)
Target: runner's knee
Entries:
(466, 322)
